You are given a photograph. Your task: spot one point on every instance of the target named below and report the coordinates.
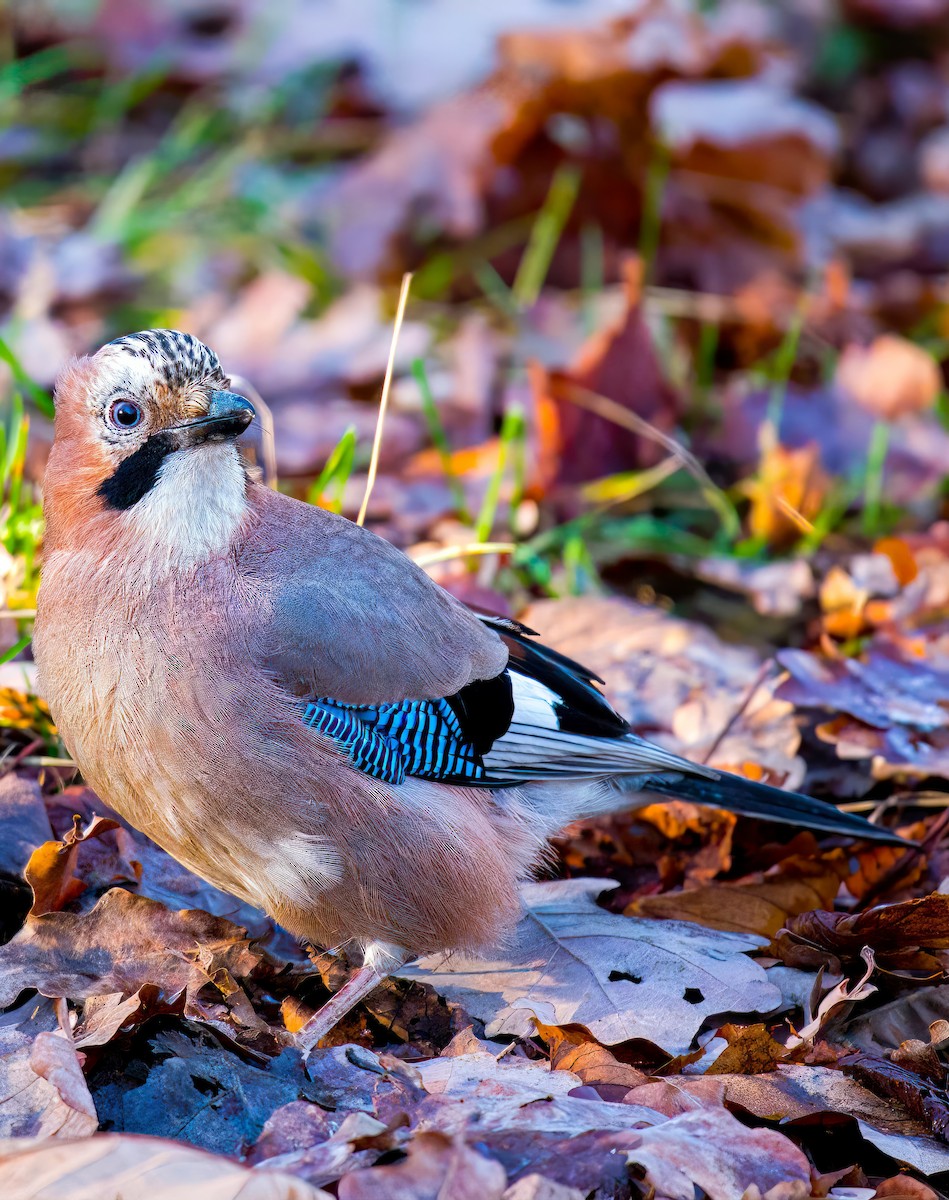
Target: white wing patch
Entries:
(535, 747)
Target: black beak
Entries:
(227, 417)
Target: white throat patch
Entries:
(194, 507)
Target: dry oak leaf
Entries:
(713, 1150)
(904, 1187)
(136, 1168)
(799, 1093)
(469, 1067)
(122, 944)
(760, 904)
(50, 869)
(591, 1063)
(618, 365)
(42, 1090)
(883, 690)
(437, 1166)
(891, 377)
(570, 962)
(900, 935)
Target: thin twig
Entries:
(384, 400)
(763, 672)
(792, 514)
(610, 410)
(20, 757)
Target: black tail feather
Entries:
(740, 795)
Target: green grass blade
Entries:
(18, 648)
(335, 474)
(436, 431)
(545, 235)
(41, 398)
(511, 428)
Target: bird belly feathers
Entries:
(201, 750)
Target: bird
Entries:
(296, 711)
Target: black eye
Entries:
(125, 413)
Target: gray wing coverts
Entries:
(356, 620)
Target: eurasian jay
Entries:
(290, 706)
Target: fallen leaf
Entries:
(891, 378)
(884, 690)
(903, 1187)
(712, 1150)
(570, 962)
(198, 1091)
(23, 823)
(539, 1187)
(904, 935)
(592, 1063)
(751, 1050)
(42, 1090)
(787, 494)
(124, 943)
(50, 869)
(479, 1072)
(761, 904)
(437, 1165)
(927, 1103)
(105, 1164)
(619, 363)
(357, 1142)
(794, 1093)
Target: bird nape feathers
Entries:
(291, 707)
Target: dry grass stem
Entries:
(384, 399)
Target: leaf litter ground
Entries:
(677, 331)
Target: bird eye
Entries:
(126, 414)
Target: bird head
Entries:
(135, 422)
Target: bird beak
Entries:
(228, 416)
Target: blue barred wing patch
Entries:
(389, 741)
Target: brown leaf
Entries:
(592, 1063)
(761, 904)
(918, 1096)
(802, 1092)
(899, 934)
(42, 1089)
(751, 1050)
(787, 494)
(620, 364)
(904, 1187)
(103, 1166)
(713, 1151)
(124, 943)
(539, 1187)
(437, 1165)
(891, 378)
(50, 869)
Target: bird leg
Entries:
(381, 960)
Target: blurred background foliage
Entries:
(678, 314)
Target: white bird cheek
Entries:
(194, 508)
